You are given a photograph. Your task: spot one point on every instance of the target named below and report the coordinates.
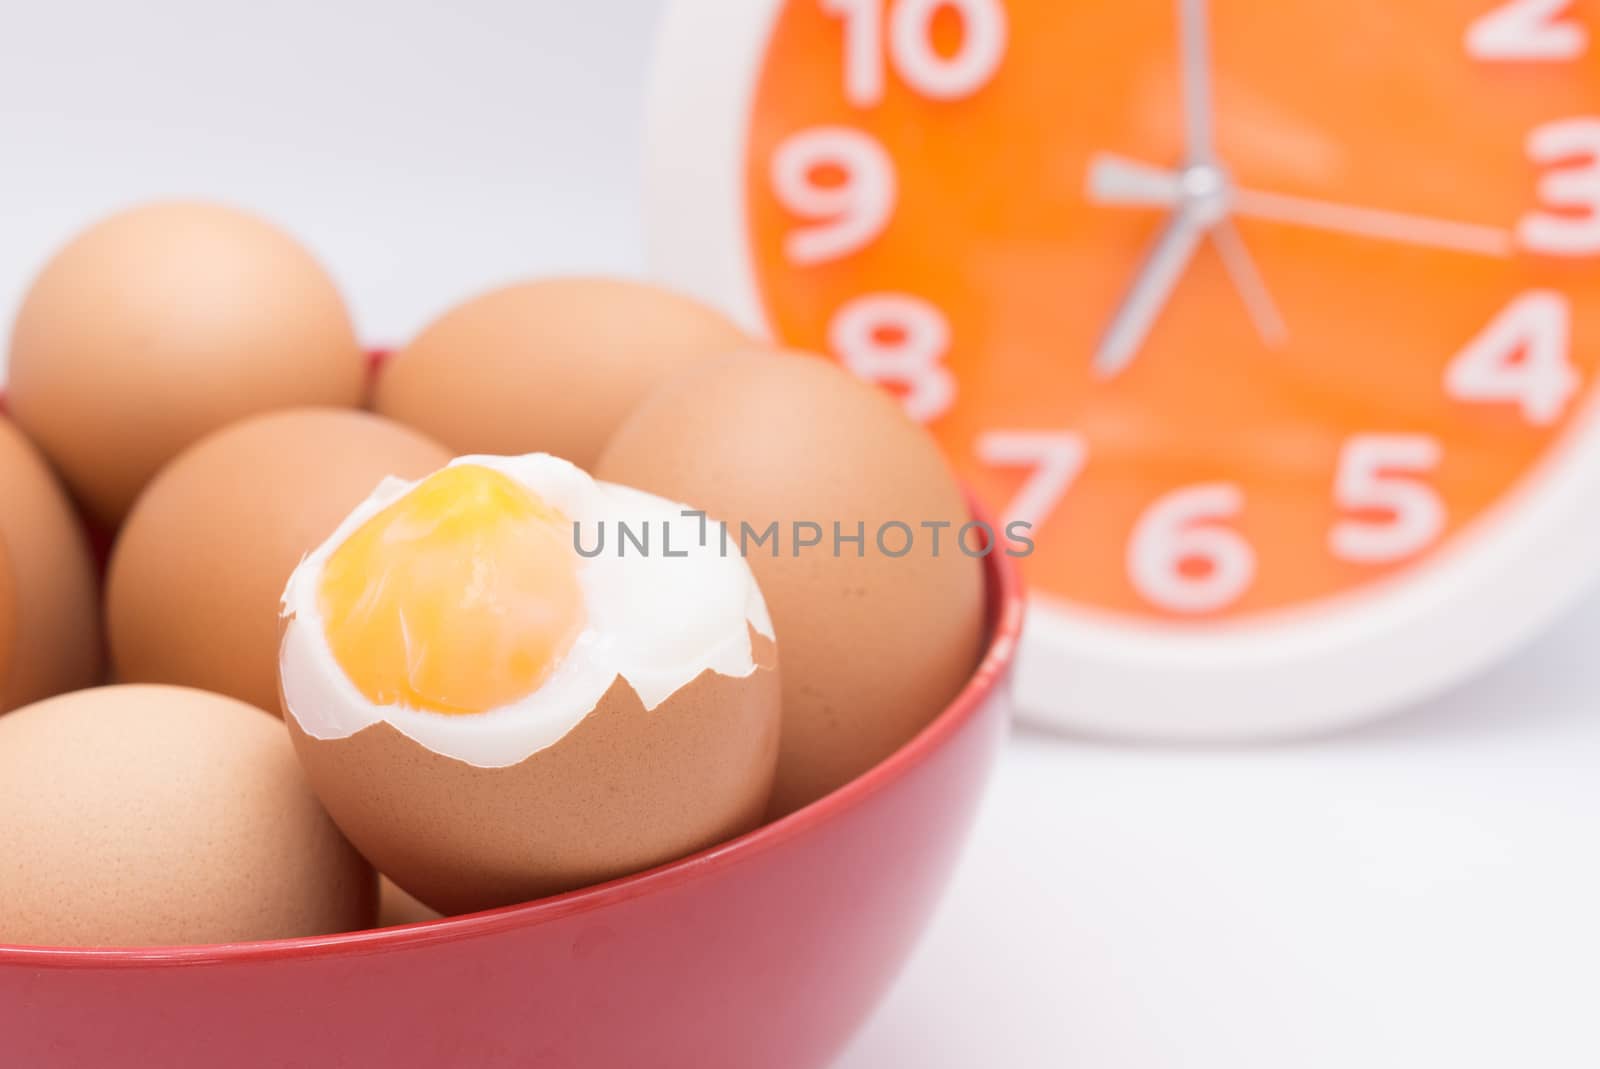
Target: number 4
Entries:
(1537, 327)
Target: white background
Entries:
(1418, 894)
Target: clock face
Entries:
(1333, 405)
(1254, 312)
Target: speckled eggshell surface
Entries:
(626, 789)
(163, 323)
(49, 616)
(874, 647)
(550, 366)
(160, 816)
(196, 576)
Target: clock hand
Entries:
(1251, 285)
(1116, 180)
(1163, 267)
(1400, 227)
(1199, 194)
(1198, 116)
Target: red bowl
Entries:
(767, 951)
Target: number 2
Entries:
(1528, 30)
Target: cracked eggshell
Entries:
(193, 587)
(49, 613)
(625, 789)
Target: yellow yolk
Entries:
(460, 597)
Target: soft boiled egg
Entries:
(507, 680)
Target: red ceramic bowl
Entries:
(766, 952)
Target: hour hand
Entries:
(1117, 179)
(1142, 307)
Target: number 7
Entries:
(1056, 457)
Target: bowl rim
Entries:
(1004, 606)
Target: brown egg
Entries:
(196, 576)
(163, 323)
(626, 789)
(138, 816)
(874, 645)
(396, 906)
(49, 617)
(547, 367)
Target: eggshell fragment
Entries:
(547, 367)
(195, 579)
(624, 790)
(161, 324)
(49, 615)
(138, 816)
(874, 645)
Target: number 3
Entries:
(1574, 188)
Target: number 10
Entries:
(911, 47)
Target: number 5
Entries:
(1372, 478)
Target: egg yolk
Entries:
(460, 597)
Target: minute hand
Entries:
(1401, 227)
(1116, 180)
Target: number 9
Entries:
(849, 213)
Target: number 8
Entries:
(911, 358)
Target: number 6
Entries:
(1174, 532)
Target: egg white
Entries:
(656, 621)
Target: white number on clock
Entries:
(1571, 148)
(1375, 475)
(1056, 457)
(911, 47)
(1183, 530)
(1528, 30)
(848, 214)
(897, 340)
(1523, 357)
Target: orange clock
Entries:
(1279, 323)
